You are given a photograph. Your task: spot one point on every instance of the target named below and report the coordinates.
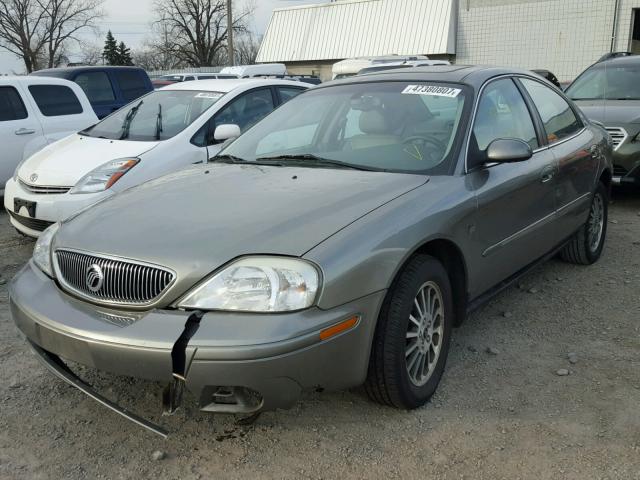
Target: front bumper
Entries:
(49, 208)
(277, 356)
(626, 164)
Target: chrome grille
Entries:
(43, 189)
(618, 135)
(123, 282)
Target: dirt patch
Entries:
(502, 409)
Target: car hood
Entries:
(195, 220)
(612, 112)
(66, 161)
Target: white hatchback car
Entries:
(34, 112)
(167, 129)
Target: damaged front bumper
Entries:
(231, 362)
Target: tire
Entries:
(583, 248)
(389, 380)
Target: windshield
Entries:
(157, 116)
(391, 126)
(607, 83)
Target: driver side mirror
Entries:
(226, 131)
(507, 150)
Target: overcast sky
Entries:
(129, 21)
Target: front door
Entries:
(516, 206)
(17, 128)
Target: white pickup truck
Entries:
(34, 112)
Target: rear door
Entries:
(576, 149)
(59, 108)
(516, 204)
(98, 87)
(18, 126)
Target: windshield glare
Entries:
(607, 83)
(157, 116)
(393, 126)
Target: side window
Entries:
(96, 86)
(287, 93)
(11, 105)
(559, 119)
(55, 100)
(502, 113)
(131, 83)
(246, 110)
(190, 77)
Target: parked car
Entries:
(609, 93)
(163, 131)
(351, 66)
(164, 80)
(35, 112)
(335, 243)
(548, 75)
(407, 64)
(259, 70)
(107, 87)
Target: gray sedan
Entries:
(336, 243)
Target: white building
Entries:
(564, 36)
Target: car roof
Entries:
(474, 75)
(627, 60)
(34, 80)
(63, 70)
(225, 85)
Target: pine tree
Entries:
(110, 51)
(124, 55)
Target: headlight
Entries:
(42, 250)
(104, 176)
(258, 284)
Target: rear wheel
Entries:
(586, 245)
(412, 337)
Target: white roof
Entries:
(225, 85)
(359, 28)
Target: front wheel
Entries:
(412, 337)
(586, 245)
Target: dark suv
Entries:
(609, 92)
(108, 88)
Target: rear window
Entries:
(132, 84)
(55, 100)
(11, 105)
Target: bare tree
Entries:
(246, 49)
(21, 30)
(38, 30)
(90, 54)
(63, 20)
(198, 29)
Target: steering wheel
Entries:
(424, 139)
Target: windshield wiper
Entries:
(126, 125)
(159, 122)
(237, 160)
(311, 160)
(227, 159)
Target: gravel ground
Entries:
(502, 409)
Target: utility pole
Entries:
(230, 34)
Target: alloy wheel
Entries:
(595, 223)
(425, 333)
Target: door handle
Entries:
(547, 174)
(24, 131)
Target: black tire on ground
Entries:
(388, 379)
(581, 250)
